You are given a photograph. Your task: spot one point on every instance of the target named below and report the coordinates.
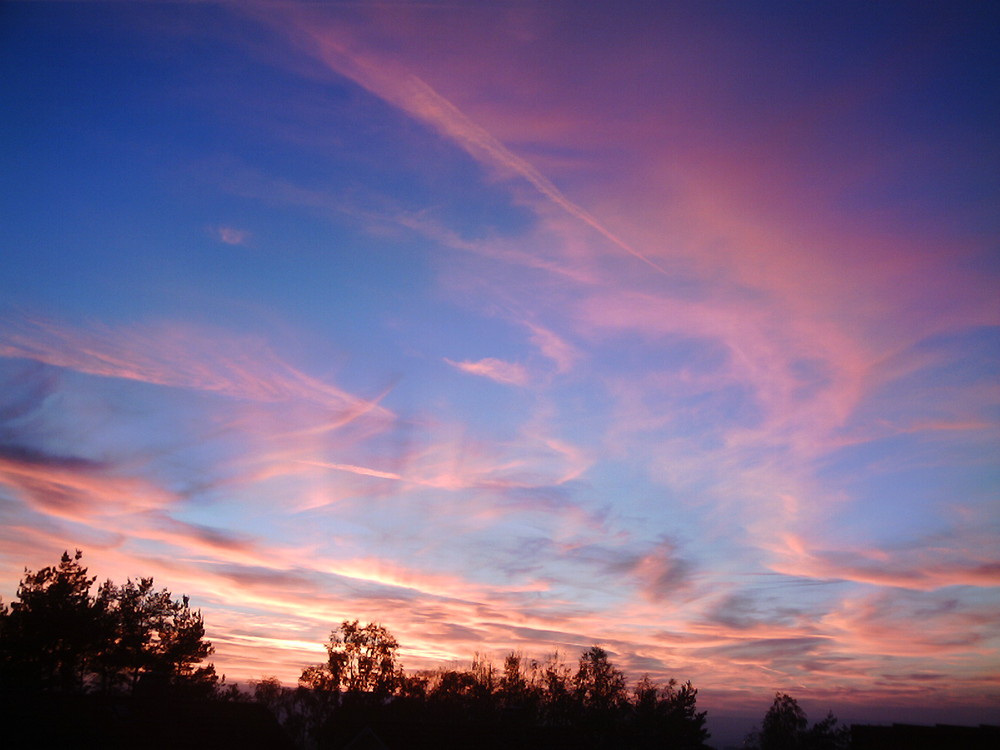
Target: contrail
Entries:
(420, 100)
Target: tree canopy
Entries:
(526, 703)
(47, 636)
(58, 637)
(359, 660)
(786, 727)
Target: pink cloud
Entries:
(924, 566)
(231, 235)
(388, 79)
(508, 373)
(177, 356)
(543, 255)
(75, 490)
(563, 354)
(911, 625)
(457, 462)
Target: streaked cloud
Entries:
(413, 95)
(509, 373)
(926, 565)
(174, 356)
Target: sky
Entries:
(669, 327)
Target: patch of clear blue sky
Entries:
(906, 486)
(134, 155)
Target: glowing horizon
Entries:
(517, 326)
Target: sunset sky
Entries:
(671, 327)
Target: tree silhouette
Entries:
(783, 725)
(182, 647)
(57, 637)
(360, 660)
(785, 728)
(134, 638)
(598, 684)
(826, 735)
(49, 635)
(513, 687)
(557, 696)
(527, 704)
(684, 723)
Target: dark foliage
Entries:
(57, 638)
(786, 727)
(48, 636)
(915, 737)
(361, 661)
(361, 690)
(121, 722)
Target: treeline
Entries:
(523, 703)
(134, 650)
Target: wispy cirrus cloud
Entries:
(876, 622)
(385, 78)
(924, 565)
(456, 463)
(176, 356)
(556, 348)
(508, 373)
(660, 573)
